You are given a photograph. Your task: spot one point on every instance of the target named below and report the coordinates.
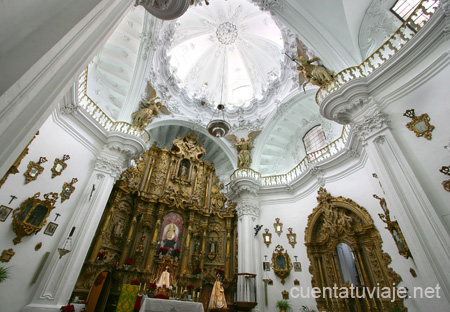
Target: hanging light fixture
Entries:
(219, 127)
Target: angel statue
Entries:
(318, 75)
(243, 148)
(148, 109)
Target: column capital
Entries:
(247, 208)
(370, 124)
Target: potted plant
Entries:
(176, 254)
(135, 282)
(67, 308)
(283, 305)
(100, 257)
(4, 273)
(127, 263)
(221, 273)
(162, 251)
(151, 289)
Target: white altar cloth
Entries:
(163, 305)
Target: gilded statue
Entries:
(317, 75)
(243, 148)
(149, 108)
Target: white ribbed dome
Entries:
(229, 43)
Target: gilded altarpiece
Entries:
(337, 225)
(166, 210)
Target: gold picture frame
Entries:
(419, 125)
(68, 189)
(281, 262)
(59, 165)
(34, 169)
(32, 215)
(267, 237)
(4, 213)
(278, 226)
(292, 238)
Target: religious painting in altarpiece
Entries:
(166, 211)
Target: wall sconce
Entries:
(267, 237)
(66, 246)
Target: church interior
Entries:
(224, 155)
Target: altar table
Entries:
(164, 305)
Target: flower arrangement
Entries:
(4, 273)
(190, 287)
(101, 256)
(67, 308)
(198, 271)
(220, 272)
(163, 250)
(151, 286)
(176, 253)
(128, 261)
(135, 282)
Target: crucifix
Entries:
(57, 215)
(92, 191)
(12, 198)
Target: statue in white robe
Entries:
(164, 279)
(217, 300)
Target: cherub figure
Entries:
(148, 109)
(309, 73)
(243, 148)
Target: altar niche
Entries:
(344, 249)
(165, 212)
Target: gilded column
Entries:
(126, 248)
(154, 242)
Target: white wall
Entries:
(52, 142)
(293, 211)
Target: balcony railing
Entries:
(312, 158)
(409, 28)
(99, 115)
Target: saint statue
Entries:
(217, 300)
(164, 279)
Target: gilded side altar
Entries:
(165, 211)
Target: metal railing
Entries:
(409, 28)
(101, 117)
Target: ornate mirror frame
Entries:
(446, 184)
(292, 238)
(419, 125)
(30, 210)
(34, 169)
(68, 189)
(59, 165)
(280, 272)
(267, 237)
(278, 226)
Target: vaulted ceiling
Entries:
(234, 52)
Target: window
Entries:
(404, 8)
(314, 139)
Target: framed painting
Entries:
(50, 229)
(4, 212)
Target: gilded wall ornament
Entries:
(15, 166)
(420, 125)
(281, 263)
(68, 189)
(292, 238)
(59, 165)
(34, 169)
(38, 246)
(32, 215)
(394, 228)
(278, 226)
(267, 237)
(446, 184)
(285, 294)
(361, 241)
(7, 255)
(4, 212)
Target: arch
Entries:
(336, 221)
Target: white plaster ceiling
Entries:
(177, 57)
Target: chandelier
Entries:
(219, 127)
